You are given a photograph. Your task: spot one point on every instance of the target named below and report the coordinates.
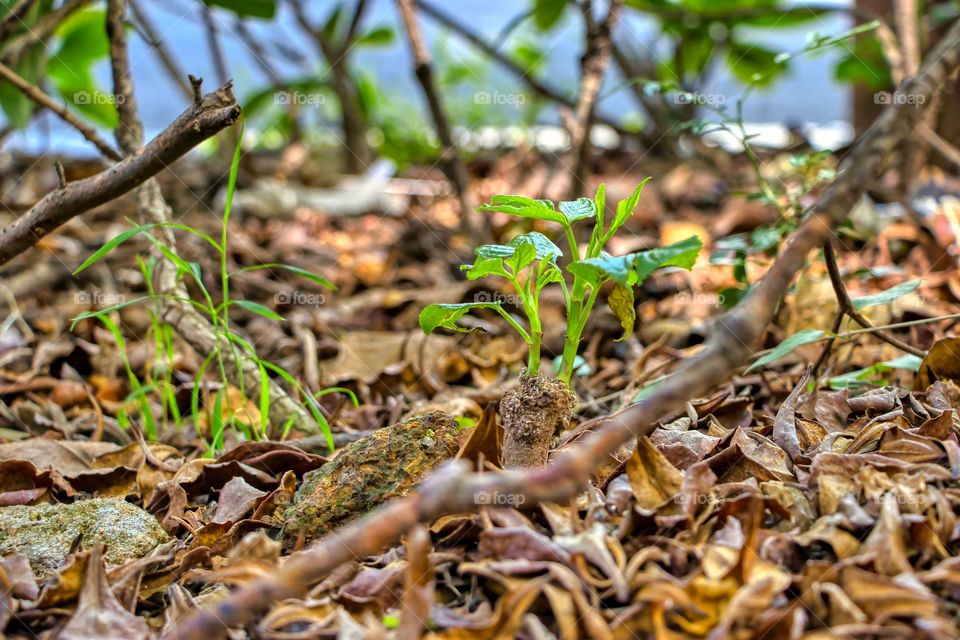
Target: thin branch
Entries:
(941, 146)
(498, 56)
(449, 158)
(355, 20)
(579, 123)
(847, 307)
(213, 41)
(13, 49)
(13, 18)
(357, 151)
(40, 98)
(196, 124)
(153, 39)
(453, 489)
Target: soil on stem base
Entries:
(533, 415)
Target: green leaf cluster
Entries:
(530, 261)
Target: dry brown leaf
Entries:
(654, 480)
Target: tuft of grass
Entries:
(159, 382)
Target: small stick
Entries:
(196, 84)
(61, 174)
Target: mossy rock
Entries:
(386, 464)
(45, 532)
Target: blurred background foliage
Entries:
(682, 45)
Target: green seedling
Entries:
(530, 262)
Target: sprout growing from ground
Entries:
(540, 408)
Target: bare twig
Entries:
(40, 98)
(596, 59)
(498, 56)
(454, 489)
(917, 149)
(13, 49)
(192, 127)
(13, 18)
(357, 151)
(843, 298)
(941, 146)
(61, 174)
(153, 39)
(450, 160)
(213, 41)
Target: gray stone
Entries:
(44, 532)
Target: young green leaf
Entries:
(485, 267)
(600, 203)
(435, 316)
(309, 275)
(792, 342)
(518, 255)
(604, 267)
(524, 208)
(625, 209)
(545, 248)
(681, 254)
(874, 373)
(887, 296)
(259, 309)
(579, 209)
(111, 245)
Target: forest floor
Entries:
(708, 529)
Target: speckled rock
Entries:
(44, 532)
(386, 464)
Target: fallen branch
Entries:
(454, 489)
(216, 111)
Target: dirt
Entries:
(534, 414)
